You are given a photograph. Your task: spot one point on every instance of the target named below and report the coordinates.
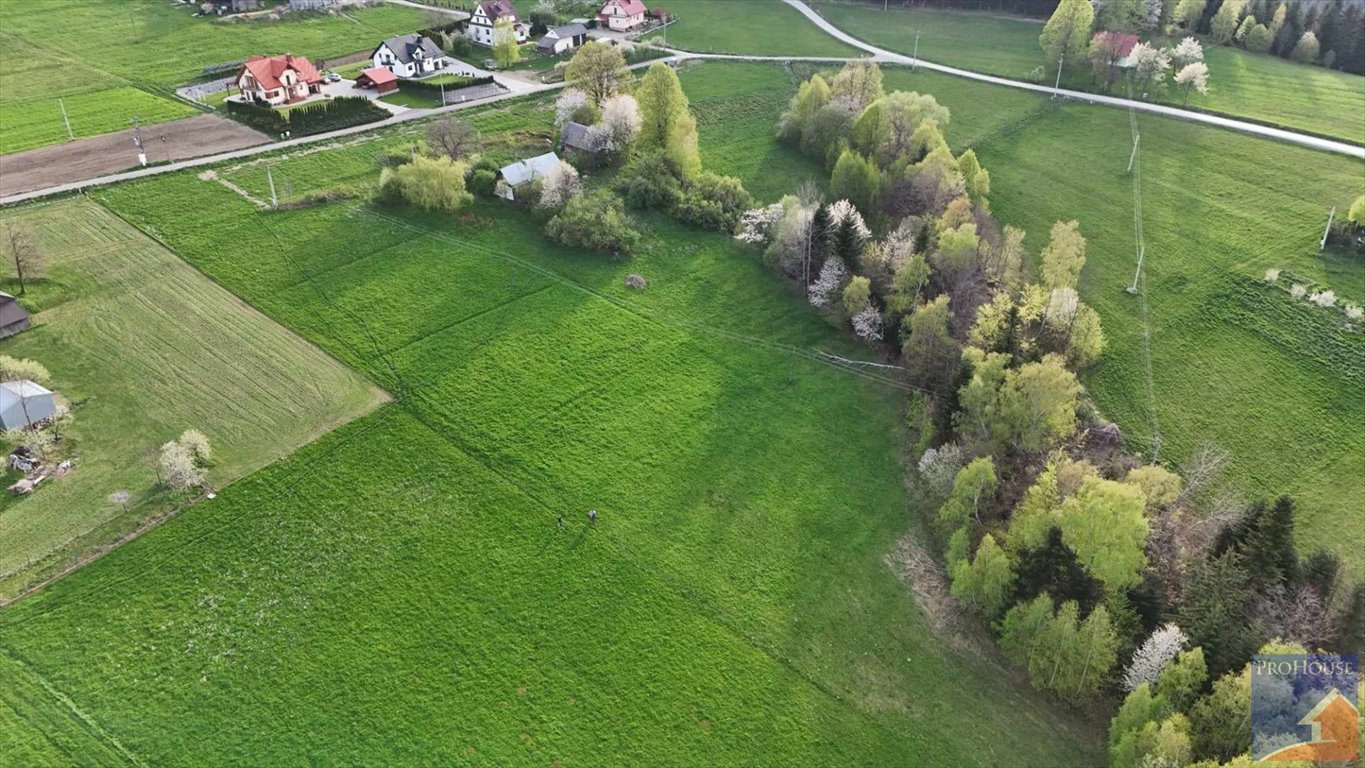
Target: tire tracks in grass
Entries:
(89, 724)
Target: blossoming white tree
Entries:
(843, 209)
(868, 324)
(568, 104)
(1153, 656)
(560, 186)
(829, 283)
(1193, 77)
(757, 225)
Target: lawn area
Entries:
(1242, 84)
(757, 27)
(731, 605)
(145, 346)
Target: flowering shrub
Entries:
(868, 324)
(830, 281)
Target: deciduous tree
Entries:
(1224, 22)
(597, 70)
(1104, 524)
(453, 137)
(1067, 32)
(1064, 256)
(505, 48)
(1192, 77)
(930, 351)
(985, 581)
(24, 249)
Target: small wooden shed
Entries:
(378, 78)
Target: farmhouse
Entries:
(573, 138)
(378, 78)
(622, 15)
(524, 171)
(13, 317)
(486, 14)
(278, 80)
(24, 403)
(561, 39)
(411, 55)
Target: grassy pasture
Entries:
(146, 346)
(730, 606)
(33, 78)
(1242, 84)
(756, 27)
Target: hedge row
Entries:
(320, 117)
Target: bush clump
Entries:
(597, 221)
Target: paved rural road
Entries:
(1257, 129)
(523, 88)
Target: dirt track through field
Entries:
(114, 152)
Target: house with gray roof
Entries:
(24, 403)
(13, 317)
(411, 55)
(561, 39)
(574, 137)
(525, 171)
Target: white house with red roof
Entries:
(486, 14)
(276, 80)
(622, 15)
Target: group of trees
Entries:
(649, 131)
(1078, 554)
(1067, 40)
(1330, 33)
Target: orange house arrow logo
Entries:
(1336, 734)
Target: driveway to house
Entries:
(1279, 134)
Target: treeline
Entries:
(1104, 576)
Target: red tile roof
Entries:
(1123, 43)
(379, 76)
(496, 9)
(267, 70)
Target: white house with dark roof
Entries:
(486, 14)
(561, 39)
(411, 55)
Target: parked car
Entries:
(332, 77)
(490, 64)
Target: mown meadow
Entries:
(732, 603)
(144, 347)
(752, 27)
(111, 61)
(1241, 84)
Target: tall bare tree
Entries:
(453, 138)
(22, 246)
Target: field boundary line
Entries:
(1140, 285)
(61, 698)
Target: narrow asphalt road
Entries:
(1256, 129)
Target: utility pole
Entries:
(1057, 85)
(137, 142)
(69, 135)
(914, 60)
(1141, 253)
(1323, 243)
(269, 177)
(1132, 157)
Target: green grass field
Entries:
(757, 27)
(1242, 84)
(96, 102)
(111, 61)
(731, 605)
(145, 347)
